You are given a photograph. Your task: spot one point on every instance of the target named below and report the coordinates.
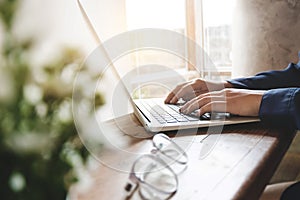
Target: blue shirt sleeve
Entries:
(289, 77)
(281, 107)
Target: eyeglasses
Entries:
(155, 175)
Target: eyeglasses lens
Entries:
(157, 181)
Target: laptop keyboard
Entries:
(167, 113)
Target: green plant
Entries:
(38, 137)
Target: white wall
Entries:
(266, 35)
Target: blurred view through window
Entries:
(217, 26)
(208, 22)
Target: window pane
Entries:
(163, 14)
(217, 26)
(166, 14)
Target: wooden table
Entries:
(239, 165)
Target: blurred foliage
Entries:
(7, 11)
(38, 137)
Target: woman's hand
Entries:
(235, 101)
(192, 89)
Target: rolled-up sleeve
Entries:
(281, 107)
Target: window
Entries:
(208, 22)
(164, 14)
(217, 34)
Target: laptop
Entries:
(157, 116)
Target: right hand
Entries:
(191, 89)
(235, 101)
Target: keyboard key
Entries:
(161, 121)
(182, 119)
(171, 120)
(191, 118)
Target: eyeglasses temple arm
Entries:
(130, 187)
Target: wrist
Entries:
(227, 84)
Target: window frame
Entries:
(195, 31)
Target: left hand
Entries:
(235, 101)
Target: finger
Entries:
(189, 92)
(186, 92)
(182, 93)
(192, 101)
(190, 95)
(196, 105)
(169, 97)
(216, 106)
(173, 93)
(202, 102)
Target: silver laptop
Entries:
(156, 116)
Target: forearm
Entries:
(227, 84)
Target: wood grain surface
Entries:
(233, 162)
